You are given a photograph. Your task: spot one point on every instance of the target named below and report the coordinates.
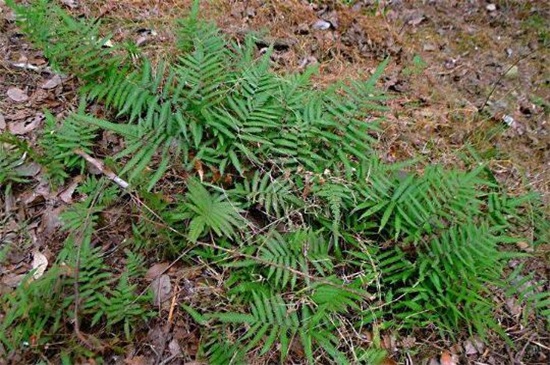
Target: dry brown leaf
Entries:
(162, 289)
(17, 95)
(447, 358)
(28, 170)
(388, 361)
(25, 127)
(469, 348)
(137, 360)
(67, 194)
(156, 270)
(524, 246)
(73, 4)
(174, 347)
(2, 122)
(52, 83)
(13, 280)
(39, 264)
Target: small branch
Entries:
(502, 76)
(101, 167)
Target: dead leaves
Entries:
(448, 359)
(162, 289)
(39, 264)
(52, 83)
(156, 270)
(17, 95)
(26, 126)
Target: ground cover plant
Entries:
(266, 181)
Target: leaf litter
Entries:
(359, 37)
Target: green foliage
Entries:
(59, 143)
(42, 309)
(12, 158)
(313, 236)
(207, 213)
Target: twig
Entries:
(173, 304)
(503, 75)
(101, 167)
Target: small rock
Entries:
(321, 25)
(491, 7)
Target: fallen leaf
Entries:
(137, 360)
(524, 246)
(414, 21)
(28, 170)
(469, 348)
(70, 3)
(162, 288)
(174, 347)
(388, 361)
(513, 306)
(429, 47)
(17, 94)
(39, 264)
(156, 270)
(2, 122)
(25, 127)
(13, 280)
(67, 194)
(447, 358)
(52, 83)
(321, 25)
(142, 40)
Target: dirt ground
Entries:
(462, 73)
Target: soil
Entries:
(462, 74)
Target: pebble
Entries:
(491, 7)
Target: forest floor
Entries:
(463, 76)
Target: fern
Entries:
(273, 321)
(296, 251)
(294, 211)
(208, 213)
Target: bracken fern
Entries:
(317, 238)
